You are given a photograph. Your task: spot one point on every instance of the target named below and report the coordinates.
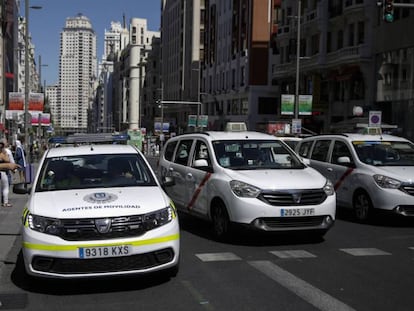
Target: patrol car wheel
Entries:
(362, 206)
(221, 221)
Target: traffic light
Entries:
(388, 9)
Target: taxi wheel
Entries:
(362, 206)
(221, 221)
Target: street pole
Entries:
(26, 83)
(162, 118)
(297, 62)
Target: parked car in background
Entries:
(98, 210)
(370, 172)
(246, 178)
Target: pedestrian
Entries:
(20, 159)
(11, 158)
(4, 158)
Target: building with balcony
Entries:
(345, 54)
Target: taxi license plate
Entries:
(104, 251)
(297, 212)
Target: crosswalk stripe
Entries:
(296, 253)
(364, 251)
(301, 288)
(218, 257)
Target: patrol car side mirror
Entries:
(22, 188)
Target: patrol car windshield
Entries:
(255, 154)
(94, 171)
(385, 153)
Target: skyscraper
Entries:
(77, 74)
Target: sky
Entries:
(46, 24)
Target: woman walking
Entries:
(5, 187)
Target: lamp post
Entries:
(40, 74)
(26, 77)
(297, 62)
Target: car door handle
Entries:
(189, 176)
(329, 169)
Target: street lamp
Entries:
(40, 73)
(297, 62)
(26, 78)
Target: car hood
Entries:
(280, 179)
(108, 202)
(402, 173)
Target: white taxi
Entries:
(371, 172)
(98, 210)
(246, 178)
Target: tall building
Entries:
(218, 51)
(77, 74)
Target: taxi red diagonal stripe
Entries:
(198, 190)
(346, 174)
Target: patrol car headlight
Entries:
(329, 188)
(158, 218)
(244, 190)
(387, 182)
(43, 224)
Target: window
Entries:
(183, 152)
(304, 149)
(340, 38)
(169, 150)
(201, 152)
(361, 32)
(320, 150)
(340, 149)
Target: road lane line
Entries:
(197, 296)
(304, 290)
(296, 253)
(364, 251)
(217, 257)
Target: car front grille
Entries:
(293, 222)
(102, 265)
(409, 189)
(87, 229)
(293, 197)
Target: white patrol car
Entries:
(369, 171)
(98, 210)
(246, 178)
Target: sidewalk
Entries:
(10, 228)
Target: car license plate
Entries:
(297, 212)
(104, 251)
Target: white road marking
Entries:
(364, 251)
(296, 253)
(218, 257)
(412, 247)
(306, 291)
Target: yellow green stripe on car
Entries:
(56, 248)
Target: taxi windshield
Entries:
(385, 153)
(94, 171)
(255, 154)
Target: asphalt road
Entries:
(355, 267)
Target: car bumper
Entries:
(52, 257)
(261, 216)
(393, 200)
